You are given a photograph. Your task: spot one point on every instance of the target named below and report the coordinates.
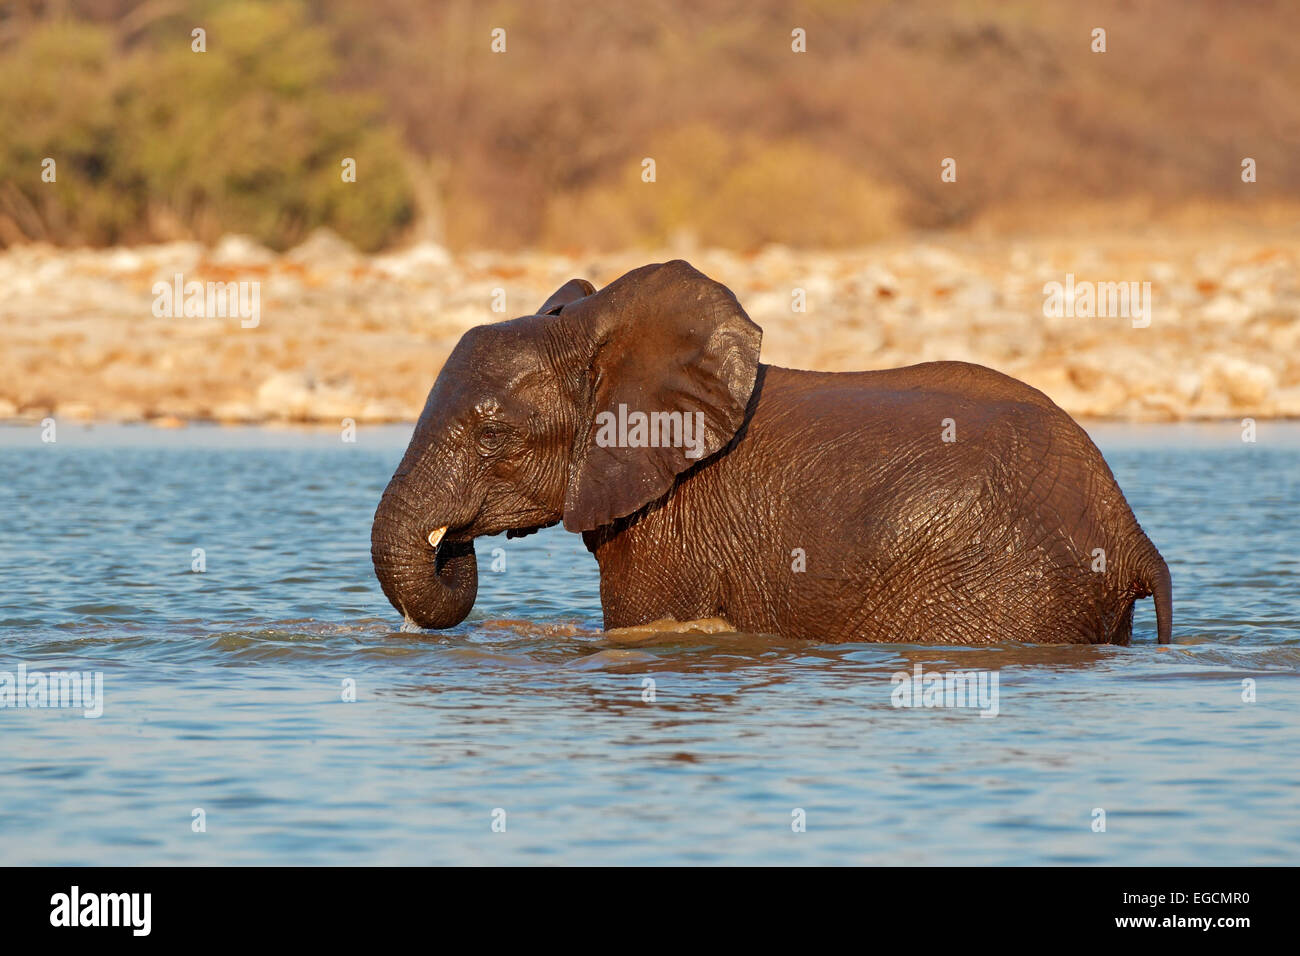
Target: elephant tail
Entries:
(1153, 574)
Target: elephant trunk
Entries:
(431, 583)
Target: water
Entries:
(223, 690)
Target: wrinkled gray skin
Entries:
(826, 506)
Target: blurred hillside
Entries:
(541, 146)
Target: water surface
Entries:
(223, 690)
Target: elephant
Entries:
(940, 503)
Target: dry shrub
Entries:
(733, 192)
(156, 141)
(542, 145)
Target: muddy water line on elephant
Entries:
(220, 581)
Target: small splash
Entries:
(668, 625)
(612, 658)
(525, 628)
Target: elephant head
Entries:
(510, 437)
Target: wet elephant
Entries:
(938, 503)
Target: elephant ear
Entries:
(661, 339)
(567, 294)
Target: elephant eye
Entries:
(492, 434)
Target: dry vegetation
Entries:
(541, 146)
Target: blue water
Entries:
(223, 690)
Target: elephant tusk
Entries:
(436, 535)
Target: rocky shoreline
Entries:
(338, 335)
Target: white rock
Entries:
(324, 247)
(1227, 309)
(422, 259)
(122, 260)
(1245, 383)
(240, 251)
